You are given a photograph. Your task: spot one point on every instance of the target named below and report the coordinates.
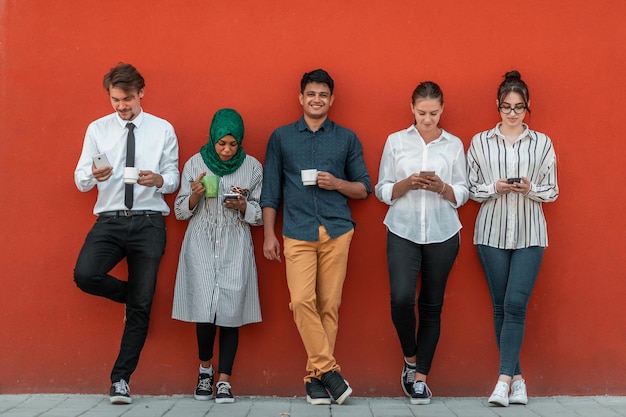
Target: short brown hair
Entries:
(123, 76)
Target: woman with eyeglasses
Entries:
(511, 172)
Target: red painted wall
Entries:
(198, 56)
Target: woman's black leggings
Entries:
(229, 340)
(405, 260)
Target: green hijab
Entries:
(225, 122)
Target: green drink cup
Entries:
(211, 184)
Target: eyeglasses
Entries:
(517, 109)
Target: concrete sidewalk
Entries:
(70, 405)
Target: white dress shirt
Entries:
(422, 216)
(156, 149)
(511, 221)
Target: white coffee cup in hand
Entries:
(131, 175)
(309, 176)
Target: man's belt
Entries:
(127, 213)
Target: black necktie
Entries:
(130, 162)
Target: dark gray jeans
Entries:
(511, 276)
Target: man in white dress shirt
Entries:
(130, 216)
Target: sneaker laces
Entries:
(121, 387)
(223, 388)
(501, 389)
(518, 387)
(421, 388)
(409, 374)
(204, 383)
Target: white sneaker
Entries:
(518, 393)
(500, 394)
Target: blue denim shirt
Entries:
(295, 147)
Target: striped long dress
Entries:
(216, 281)
(511, 221)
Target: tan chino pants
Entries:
(316, 272)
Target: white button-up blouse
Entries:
(422, 216)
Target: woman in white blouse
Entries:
(422, 179)
(216, 281)
(511, 172)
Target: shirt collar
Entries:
(496, 132)
(136, 121)
(302, 126)
(444, 135)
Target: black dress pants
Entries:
(141, 240)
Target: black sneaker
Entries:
(420, 393)
(120, 393)
(408, 377)
(223, 394)
(204, 389)
(316, 393)
(338, 387)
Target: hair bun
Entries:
(513, 75)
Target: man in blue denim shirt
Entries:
(317, 224)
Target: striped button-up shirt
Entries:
(511, 221)
(216, 280)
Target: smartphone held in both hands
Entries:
(427, 173)
(230, 196)
(512, 180)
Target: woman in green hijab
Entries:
(226, 122)
(216, 282)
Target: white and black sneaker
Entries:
(120, 393)
(408, 377)
(204, 389)
(420, 394)
(223, 394)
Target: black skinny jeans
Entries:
(141, 239)
(229, 341)
(405, 259)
